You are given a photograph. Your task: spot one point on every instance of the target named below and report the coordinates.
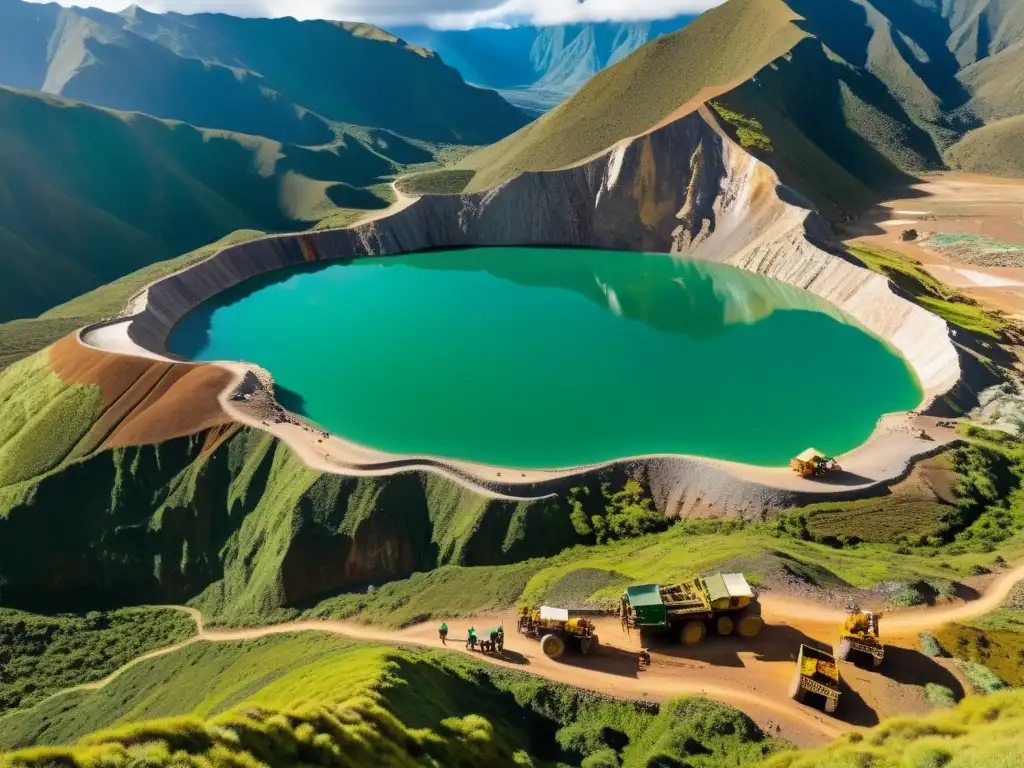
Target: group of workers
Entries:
(495, 644)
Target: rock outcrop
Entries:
(684, 188)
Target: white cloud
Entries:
(456, 14)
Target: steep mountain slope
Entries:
(279, 78)
(851, 95)
(997, 149)
(88, 194)
(536, 68)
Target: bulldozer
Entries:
(813, 463)
(816, 673)
(724, 603)
(859, 634)
(556, 630)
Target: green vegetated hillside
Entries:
(88, 195)
(21, 338)
(43, 655)
(288, 80)
(851, 96)
(993, 149)
(320, 700)
(981, 732)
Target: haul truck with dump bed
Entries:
(816, 673)
(813, 463)
(724, 603)
(556, 630)
(859, 634)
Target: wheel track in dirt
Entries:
(609, 673)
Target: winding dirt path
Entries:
(749, 675)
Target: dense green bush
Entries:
(939, 695)
(929, 645)
(625, 514)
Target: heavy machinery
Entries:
(859, 634)
(723, 603)
(556, 630)
(816, 673)
(813, 463)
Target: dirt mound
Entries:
(144, 401)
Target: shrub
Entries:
(906, 597)
(939, 695)
(929, 645)
(606, 758)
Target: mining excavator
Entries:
(859, 634)
(556, 630)
(724, 603)
(813, 463)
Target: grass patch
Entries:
(922, 288)
(939, 696)
(443, 181)
(929, 645)
(749, 131)
(980, 732)
(303, 698)
(1000, 653)
(40, 655)
(983, 679)
(726, 45)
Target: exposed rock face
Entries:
(686, 189)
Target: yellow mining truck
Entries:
(817, 673)
(556, 630)
(813, 463)
(859, 634)
(723, 603)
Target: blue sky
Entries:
(440, 13)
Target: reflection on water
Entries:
(552, 357)
(684, 296)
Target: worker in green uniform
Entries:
(501, 640)
(443, 633)
(471, 639)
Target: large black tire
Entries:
(749, 625)
(588, 644)
(844, 648)
(692, 633)
(553, 646)
(876, 661)
(796, 691)
(724, 625)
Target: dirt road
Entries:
(751, 675)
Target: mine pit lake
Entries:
(553, 358)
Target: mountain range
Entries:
(261, 124)
(536, 68)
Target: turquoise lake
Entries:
(551, 358)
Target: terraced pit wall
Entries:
(684, 188)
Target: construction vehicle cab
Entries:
(813, 463)
(817, 673)
(556, 630)
(722, 603)
(859, 635)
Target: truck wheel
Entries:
(588, 644)
(831, 705)
(876, 661)
(692, 632)
(724, 625)
(796, 691)
(750, 626)
(552, 645)
(844, 648)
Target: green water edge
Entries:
(541, 358)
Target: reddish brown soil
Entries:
(145, 401)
